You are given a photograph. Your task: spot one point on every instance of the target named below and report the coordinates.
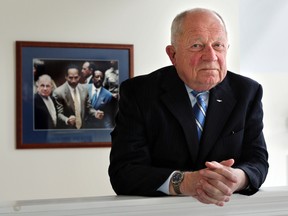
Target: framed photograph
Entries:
(67, 93)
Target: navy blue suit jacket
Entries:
(105, 102)
(156, 133)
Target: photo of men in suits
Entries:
(76, 104)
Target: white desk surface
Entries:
(268, 201)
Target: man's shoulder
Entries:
(37, 99)
(83, 87)
(154, 76)
(36, 96)
(104, 91)
(240, 80)
(60, 88)
(239, 85)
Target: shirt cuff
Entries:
(165, 186)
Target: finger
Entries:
(215, 165)
(217, 188)
(219, 172)
(228, 163)
(205, 198)
(210, 188)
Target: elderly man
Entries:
(193, 128)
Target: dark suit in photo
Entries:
(42, 116)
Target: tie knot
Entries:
(199, 95)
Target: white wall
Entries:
(263, 52)
(53, 173)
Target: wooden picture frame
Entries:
(55, 56)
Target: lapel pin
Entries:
(218, 100)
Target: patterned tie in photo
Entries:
(77, 110)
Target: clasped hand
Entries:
(215, 184)
(99, 114)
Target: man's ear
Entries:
(170, 50)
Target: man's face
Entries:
(98, 78)
(199, 53)
(44, 87)
(73, 77)
(86, 72)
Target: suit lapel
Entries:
(101, 97)
(41, 103)
(90, 91)
(68, 97)
(177, 101)
(221, 103)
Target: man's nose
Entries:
(209, 54)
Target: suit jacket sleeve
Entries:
(254, 160)
(131, 153)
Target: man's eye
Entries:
(197, 47)
(219, 47)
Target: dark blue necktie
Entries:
(200, 109)
(94, 99)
